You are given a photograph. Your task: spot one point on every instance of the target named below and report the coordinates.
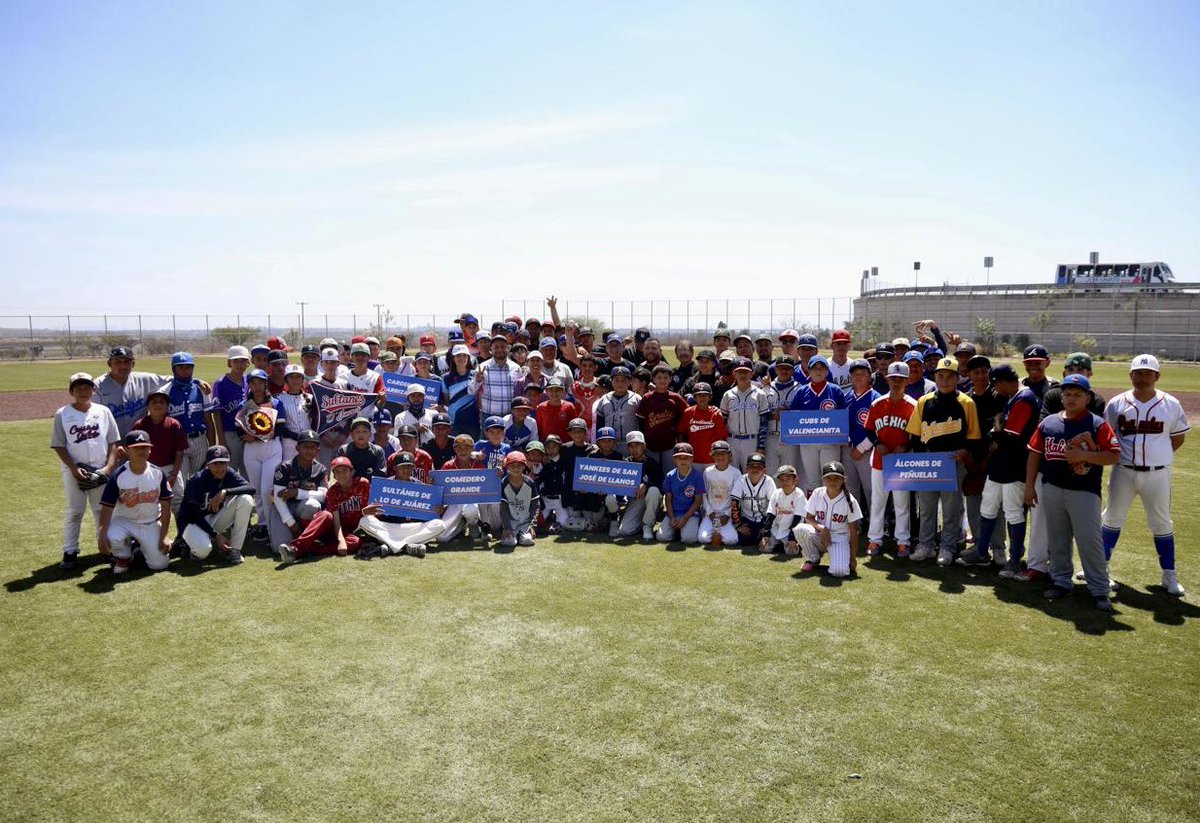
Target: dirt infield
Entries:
(37, 405)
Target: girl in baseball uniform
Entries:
(784, 511)
(831, 524)
(263, 450)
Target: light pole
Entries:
(916, 272)
(987, 272)
(301, 304)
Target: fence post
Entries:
(141, 342)
(174, 344)
(106, 325)
(31, 343)
(652, 317)
(208, 329)
(269, 332)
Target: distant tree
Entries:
(235, 335)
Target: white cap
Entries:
(238, 353)
(1144, 361)
(80, 377)
(360, 348)
(330, 355)
(293, 368)
(898, 370)
(329, 342)
(635, 437)
(534, 354)
(415, 388)
(458, 349)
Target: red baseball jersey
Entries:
(349, 503)
(701, 429)
(889, 420)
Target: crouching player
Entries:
(751, 499)
(298, 490)
(642, 508)
(683, 492)
(831, 524)
(784, 512)
(216, 500)
(397, 534)
(331, 531)
(519, 503)
(141, 492)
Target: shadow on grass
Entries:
(1167, 609)
(1077, 608)
(53, 574)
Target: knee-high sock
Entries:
(1164, 544)
(1109, 536)
(1016, 540)
(983, 540)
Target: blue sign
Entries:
(815, 427)
(396, 386)
(920, 472)
(406, 498)
(461, 486)
(607, 477)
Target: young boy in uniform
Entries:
(143, 518)
(830, 524)
(720, 480)
(642, 508)
(519, 503)
(683, 493)
(751, 500)
(784, 512)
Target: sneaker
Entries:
(286, 553)
(808, 566)
(1103, 604)
(972, 559)
(235, 557)
(612, 528)
(946, 557)
(873, 548)
(924, 553)
(1030, 576)
(508, 542)
(1113, 585)
(554, 529)
(1011, 569)
(525, 539)
(120, 566)
(647, 532)
(416, 549)
(999, 557)
(1056, 593)
(473, 531)
(902, 551)
(70, 561)
(1171, 583)
(369, 549)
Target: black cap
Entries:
(860, 363)
(407, 431)
(310, 350)
(403, 459)
(1004, 372)
(277, 356)
(785, 360)
(979, 362)
(519, 402)
(586, 330)
(756, 459)
(442, 419)
(137, 437)
(966, 348)
(701, 388)
(1036, 352)
(709, 353)
(833, 467)
(885, 348)
(621, 371)
(642, 333)
(216, 454)
(308, 436)
(742, 363)
(120, 351)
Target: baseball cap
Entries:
(702, 388)
(1077, 380)
(642, 333)
(330, 355)
(721, 446)
(403, 459)
(482, 337)
(261, 348)
(786, 468)
(635, 437)
(305, 351)
(900, 341)
(535, 446)
(709, 353)
(556, 383)
(913, 357)
(534, 354)
(833, 469)
(137, 437)
(860, 363)
(817, 360)
(885, 348)
(898, 370)
(256, 374)
(455, 336)
(947, 364)
(519, 402)
(547, 343)
(382, 417)
(514, 457)
(182, 358)
(756, 459)
(742, 337)
(415, 388)
(1003, 372)
(277, 356)
(727, 356)
(220, 454)
(338, 462)
(533, 321)
(789, 334)
(276, 343)
(807, 340)
(426, 356)
(360, 348)
(1078, 360)
(293, 368)
(935, 353)
(467, 318)
(979, 361)
(743, 363)
(966, 348)
(785, 360)
(721, 333)
(682, 448)
(620, 371)
(839, 335)
(371, 340)
(586, 330)
(308, 436)
(235, 353)
(327, 342)
(762, 335)
(606, 433)
(126, 352)
(918, 343)
(612, 337)
(358, 338)
(360, 421)
(80, 377)
(428, 340)
(459, 348)
(553, 438)
(494, 422)
(1036, 352)
(1145, 361)
(577, 423)
(442, 419)
(388, 357)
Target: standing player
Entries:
(618, 408)
(839, 364)
(860, 396)
(658, 414)
(84, 437)
(747, 410)
(140, 490)
(780, 392)
(702, 425)
(887, 429)
(125, 391)
(818, 395)
(1151, 426)
(228, 395)
(190, 405)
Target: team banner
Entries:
(396, 386)
(814, 427)
(406, 498)
(337, 407)
(920, 472)
(460, 486)
(607, 476)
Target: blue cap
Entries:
(137, 437)
(912, 355)
(548, 342)
(934, 352)
(612, 337)
(918, 343)
(815, 359)
(1077, 380)
(859, 364)
(808, 340)
(620, 371)
(261, 348)
(382, 417)
(455, 336)
(182, 358)
(606, 433)
(259, 373)
(493, 422)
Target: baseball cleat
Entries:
(235, 557)
(1056, 593)
(973, 558)
(808, 566)
(902, 551)
(945, 557)
(416, 549)
(1103, 604)
(1030, 576)
(1171, 583)
(70, 560)
(286, 553)
(120, 566)
(612, 528)
(1011, 569)
(924, 553)
(873, 548)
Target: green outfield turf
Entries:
(585, 681)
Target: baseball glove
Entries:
(1086, 442)
(94, 480)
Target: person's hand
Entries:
(961, 456)
(641, 492)
(1031, 500)
(743, 529)
(164, 546)
(855, 454)
(289, 494)
(205, 386)
(248, 438)
(552, 301)
(953, 339)
(791, 548)
(342, 550)
(217, 500)
(825, 537)
(372, 510)
(172, 479)
(103, 545)
(81, 473)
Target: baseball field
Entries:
(585, 680)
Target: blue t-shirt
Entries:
(683, 490)
(188, 406)
(518, 435)
(859, 408)
(493, 456)
(228, 397)
(829, 398)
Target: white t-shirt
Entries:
(365, 382)
(718, 489)
(85, 435)
(787, 505)
(835, 515)
(1144, 430)
(754, 500)
(135, 497)
(839, 375)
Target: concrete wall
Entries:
(1126, 322)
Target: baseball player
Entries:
(331, 531)
(167, 440)
(1151, 426)
(818, 395)
(297, 490)
(84, 436)
(720, 481)
(263, 451)
(228, 395)
(887, 429)
(125, 391)
(190, 405)
(747, 410)
(751, 499)
(785, 510)
(683, 493)
(136, 509)
(298, 407)
(216, 499)
(702, 425)
(839, 364)
(658, 415)
(519, 503)
(397, 534)
(830, 524)
(642, 508)
(780, 393)
(460, 517)
(617, 409)
(856, 455)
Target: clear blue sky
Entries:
(200, 156)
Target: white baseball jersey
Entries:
(719, 485)
(835, 515)
(780, 399)
(367, 382)
(787, 505)
(839, 374)
(86, 435)
(743, 410)
(135, 497)
(754, 500)
(1144, 430)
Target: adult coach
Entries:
(1150, 426)
(125, 391)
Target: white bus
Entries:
(1114, 274)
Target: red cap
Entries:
(358, 338)
(341, 461)
(514, 457)
(841, 334)
(276, 344)
(428, 339)
(513, 318)
(792, 333)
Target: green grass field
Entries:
(584, 681)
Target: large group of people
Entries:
(240, 458)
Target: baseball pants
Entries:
(974, 505)
(710, 527)
(742, 447)
(779, 454)
(78, 502)
(148, 535)
(1154, 488)
(1038, 555)
(320, 537)
(232, 440)
(640, 512)
(879, 499)
(688, 534)
(456, 519)
(262, 458)
(233, 517)
(1074, 515)
(858, 477)
(554, 506)
(301, 511)
(811, 549)
(952, 516)
(811, 460)
(396, 536)
(193, 461)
